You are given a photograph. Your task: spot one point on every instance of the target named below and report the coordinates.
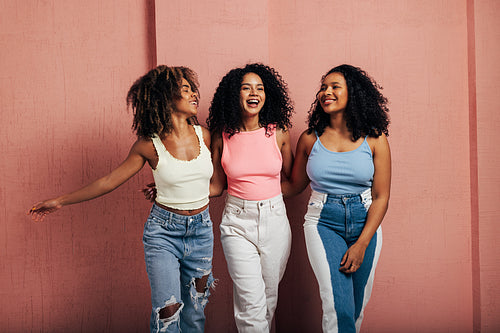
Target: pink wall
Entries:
(62, 88)
(418, 51)
(487, 53)
(66, 69)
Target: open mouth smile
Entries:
(253, 103)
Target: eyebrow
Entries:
(249, 84)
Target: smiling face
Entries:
(333, 94)
(188, 103)
(252, 94)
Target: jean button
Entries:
(261, 204)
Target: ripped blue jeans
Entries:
(178, 250)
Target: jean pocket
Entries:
(207, 222)
(278, 209)
(367, 202)
(232, 209)
(314, 208)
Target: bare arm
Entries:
(218, 180)
(283, 140)
(380, 202)
(129, 167)
(299, 179)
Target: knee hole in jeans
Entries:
(201, 284)
(169, 311)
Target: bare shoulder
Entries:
(144, 147)
(281, 131)
(378, 143)
(216, 140)
(206, 135)
(307, 140)
(282, 136)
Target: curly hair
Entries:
(225, 111)
(152, 98)
(366, 112)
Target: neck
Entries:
(250, 124)
(180, 125)
(338, 122)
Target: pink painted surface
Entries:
(487, 32)
(62, 98)
(66, 69)
(418, 52)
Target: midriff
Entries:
(189, 212)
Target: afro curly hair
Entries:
(366, 112)
(152, 98)
(225, 111)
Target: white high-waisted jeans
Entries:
(256, 239)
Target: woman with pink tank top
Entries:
(249, 120)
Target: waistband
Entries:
(324, 197)
(169, 216)
(253, 203)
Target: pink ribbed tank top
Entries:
(252, 162)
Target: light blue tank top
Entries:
(340, 172)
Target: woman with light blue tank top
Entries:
(178, 236)
(345, 156)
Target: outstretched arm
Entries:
(381, 187)
(132, 164)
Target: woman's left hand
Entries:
(149, 192)
(353, 258)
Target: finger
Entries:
(344, 259)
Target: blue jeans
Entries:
(178, 250)
(332, 224)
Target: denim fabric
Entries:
(332, 224)
(178, 250)
(256, 239)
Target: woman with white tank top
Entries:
(178, 237)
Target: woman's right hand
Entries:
(150, 192)
(41, 209)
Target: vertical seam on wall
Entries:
(152, 33)
(474, 180)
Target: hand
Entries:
(149, 192)
(41, 209)
(353, 258)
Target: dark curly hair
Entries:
(366, 112)
(225, 111)
(152, 98)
